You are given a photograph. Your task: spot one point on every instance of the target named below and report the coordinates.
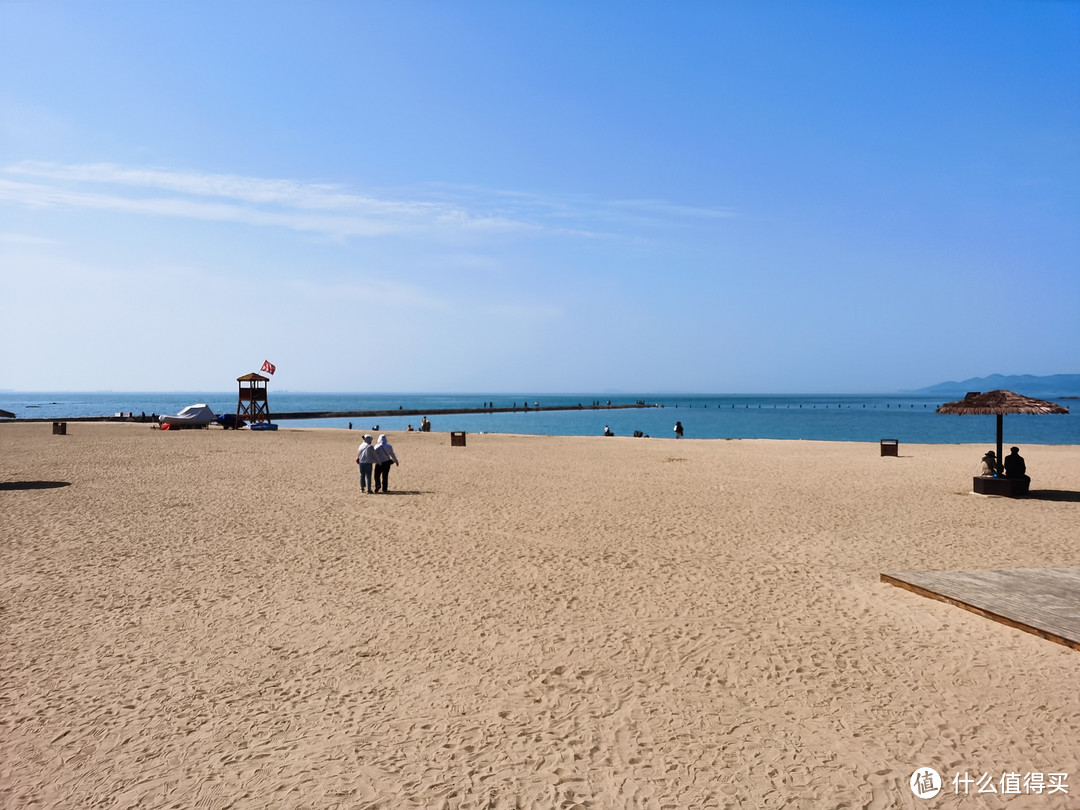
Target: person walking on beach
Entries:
(678, 430)
(366, 458)
(384, 452)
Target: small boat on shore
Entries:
(198, 415)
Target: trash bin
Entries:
(457, 439)
(59, 428)
(890, 447)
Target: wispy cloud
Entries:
(259, 191)
(674, 210)
(317, 208)
(328, 209)
(36, 195)
(24, 239)
(581, 208)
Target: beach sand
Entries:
(218, 619)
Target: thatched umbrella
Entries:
(1000, 403)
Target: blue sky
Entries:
(723, 197)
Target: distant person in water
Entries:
(425, 425)
(607, 431)
(1015, 466)
(989, 465)
(678, 430)
(384, 452)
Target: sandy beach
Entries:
(219, 619)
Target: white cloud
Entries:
(42, 196)
(24, 239)
(443, 212)
(665, 208)
(245, 189)
(255, 201)
(581, 208)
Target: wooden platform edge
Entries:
(986, 614)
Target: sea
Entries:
(811, 417)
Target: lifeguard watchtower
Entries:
(252, 406)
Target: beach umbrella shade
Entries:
(1000, 403)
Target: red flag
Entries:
(269, 367)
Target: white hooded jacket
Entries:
(384, 451)
(366, 453)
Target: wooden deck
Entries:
(1043, 601)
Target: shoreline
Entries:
(120, 421)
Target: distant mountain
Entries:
(1048, 387)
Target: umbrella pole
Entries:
(1000, 458)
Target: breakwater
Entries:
(451, 411)
(358, 414)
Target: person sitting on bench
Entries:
(1015, 466)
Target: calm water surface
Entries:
(847, 417)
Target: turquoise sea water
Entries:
(816, 417)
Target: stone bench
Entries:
(1008, 487)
